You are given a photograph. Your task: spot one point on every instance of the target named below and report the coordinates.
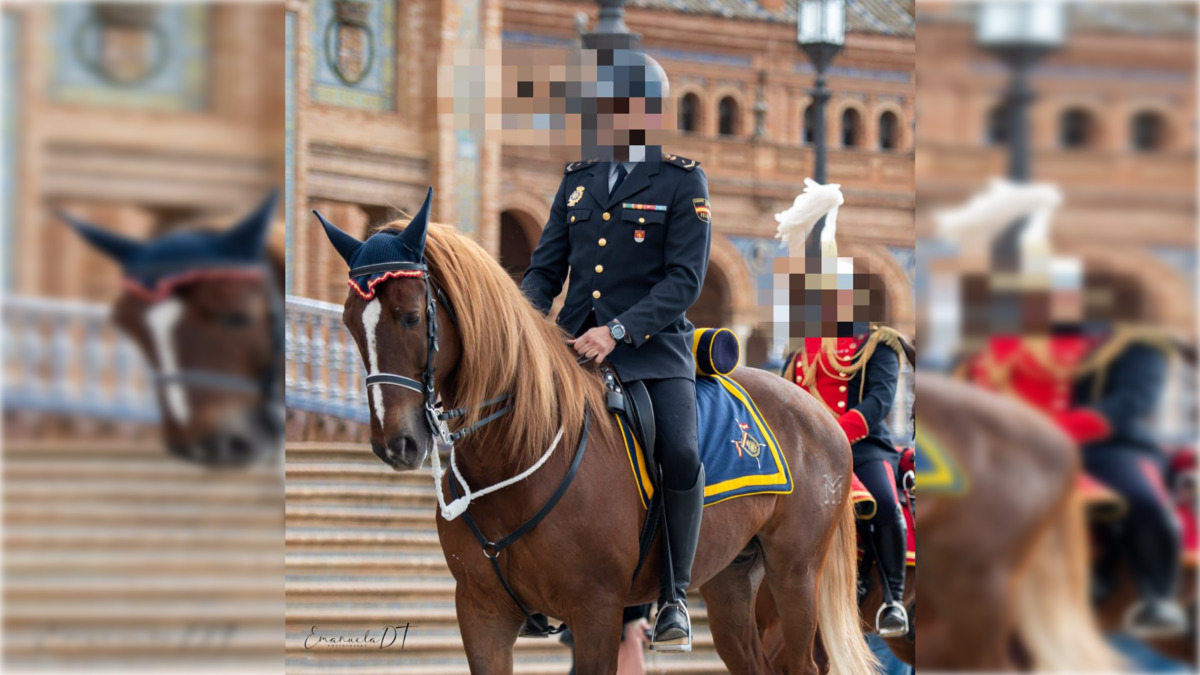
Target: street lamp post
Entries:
(820, 32)
(1020, 33)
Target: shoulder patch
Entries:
(681, 162)
(575, 166)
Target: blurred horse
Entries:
(452, 315)
(204, 309)
(1009, 554)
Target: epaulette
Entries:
(1123, 338)
(575, 166)
(890, 337)
(681, 162)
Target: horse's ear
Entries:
(345, 244)
(247, 238)
(413, 236)
(113, 245)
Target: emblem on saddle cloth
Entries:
(722, 404)
(748, 444)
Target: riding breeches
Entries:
(887, 528)
(1149, 535)
(677, 442)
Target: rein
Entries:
(435, 417)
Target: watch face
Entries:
(618, 331)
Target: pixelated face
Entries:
(606, 104)
(830, 297)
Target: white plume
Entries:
(989, 212)
(817, 200)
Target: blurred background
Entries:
(142, 119)
(1093, 103)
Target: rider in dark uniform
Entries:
(632, 233)
(853, 366)
(1118, 391)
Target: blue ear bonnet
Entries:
(156, 266)
(384, 255)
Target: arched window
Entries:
(850, 128)
(1148, 131)
(727, 110)
(1076, 128)
(689, 113)
(809, 132)
(997, 125)
(889, 131)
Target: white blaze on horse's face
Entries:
(162, 319)
(370, 320)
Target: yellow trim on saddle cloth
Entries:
(857, 496)
(637, 458)
(942, 479)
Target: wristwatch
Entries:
(618, 332)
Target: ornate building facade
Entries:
(363, 149)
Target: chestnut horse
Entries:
(1009, 554)
(204, 309)
(578, 564)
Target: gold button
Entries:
(841, 404)
(842, 388)
(599, 269)
(595, 294)
(603, 241)
(646, 336)
(572, 219)
(606, 216)
(641, 220)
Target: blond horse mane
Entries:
(508, 347)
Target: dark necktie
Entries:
(621, 173)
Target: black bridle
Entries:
(267, 385)
(435, 417)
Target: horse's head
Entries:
(203, 309)
(404, 332)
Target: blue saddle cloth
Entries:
(740, 454)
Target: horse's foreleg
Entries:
(729, 597)
(489, 631)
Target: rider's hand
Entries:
(595, 344)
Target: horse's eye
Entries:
(234, 319)
(410, 319)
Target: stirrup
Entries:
(1164, 631)
(677, 645)
(891, 633)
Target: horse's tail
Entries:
(837, 606)
(1054, 617)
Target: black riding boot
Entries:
(1153, 545)
(889, 533)
(673, 627)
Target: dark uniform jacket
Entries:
(638, 256)
(857, 383)
(1123, 389)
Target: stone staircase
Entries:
(121, 558)
(363, 553)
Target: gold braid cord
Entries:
(888, 336)
(1123, 337)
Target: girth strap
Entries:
(492, 549)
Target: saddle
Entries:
(631, 402)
